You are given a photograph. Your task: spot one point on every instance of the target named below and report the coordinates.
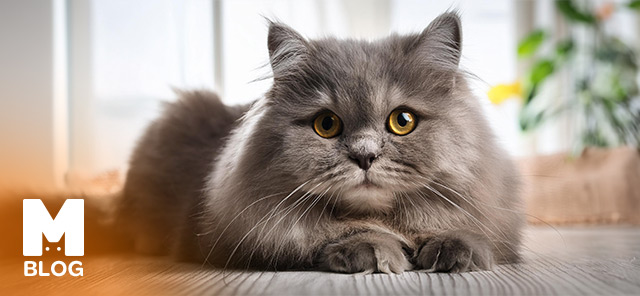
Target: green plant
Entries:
(602, 73)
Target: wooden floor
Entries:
(572, 261)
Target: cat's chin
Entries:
(368, 199)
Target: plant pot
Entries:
(600, 186)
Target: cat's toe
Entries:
(450, 253)
(351, 258)
(361, 255)
(390, 260)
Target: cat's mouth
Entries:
(367, 183)
(366, 195)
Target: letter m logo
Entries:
(37, 221)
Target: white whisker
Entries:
(229, 224)
(475, 220)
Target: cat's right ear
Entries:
(441, 41)
(287, 48)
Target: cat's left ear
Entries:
(287, 48)
(442, 40)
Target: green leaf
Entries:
(619, 92)
(529, 94)
(564, 48)
(635, 4)
(529, 121)
(541, 70)
(571, 12)
(529, 44)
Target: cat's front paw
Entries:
(366, 252)
(456, 251)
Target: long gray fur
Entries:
(255, 187)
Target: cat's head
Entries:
(366, 122)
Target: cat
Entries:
(364, 156)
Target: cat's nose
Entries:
(363, 160)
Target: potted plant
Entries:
(598, 180)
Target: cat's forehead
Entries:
(358, 80)
(375, 96)
(353, 57)
(359, 75)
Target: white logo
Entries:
(36, 221)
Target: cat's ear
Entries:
(286, 48)
(442, 40)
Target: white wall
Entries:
(30, 151)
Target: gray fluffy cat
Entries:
(362, 157)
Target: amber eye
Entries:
(327, 125)
(401, 122)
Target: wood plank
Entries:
(572, 261)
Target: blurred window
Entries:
(136, 51)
